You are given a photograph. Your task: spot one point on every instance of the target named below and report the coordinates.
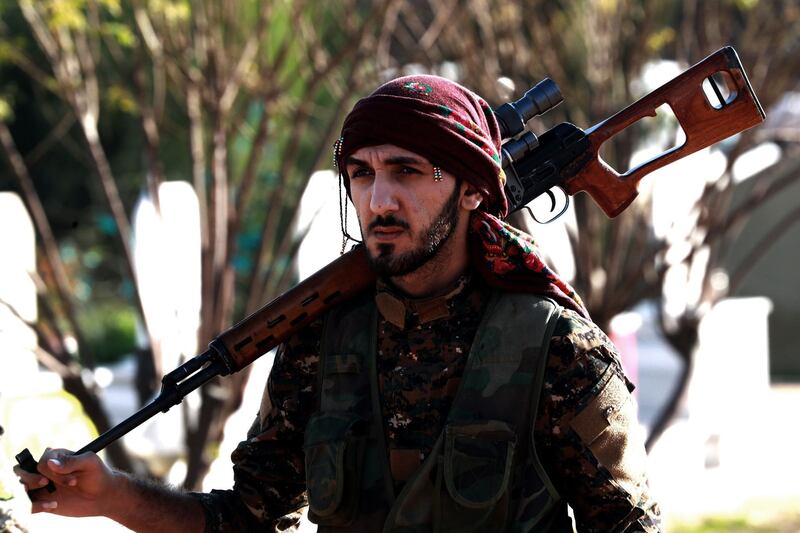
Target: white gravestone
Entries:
(17, 295)
(730, 382)
(720, 455)
(166, 252)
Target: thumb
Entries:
(64, 463)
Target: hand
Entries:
(83, 484)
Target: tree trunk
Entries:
(683, 339)
(94, 410)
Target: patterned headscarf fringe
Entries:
(508, 258)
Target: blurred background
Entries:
(166, 169)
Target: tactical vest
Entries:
(482, 474)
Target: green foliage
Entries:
(113, 6)
(714, 525)
(782, 522)
(173, 12)
(660, 39)
(65, 14)
(608, 6)
(745, 5)
(122, 34)
(110, 329)
(71, 14)
(6, 112)
(7, 51)
(120, 98)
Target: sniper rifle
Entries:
(564, 156)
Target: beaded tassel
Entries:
(437, 174)
(337, 151)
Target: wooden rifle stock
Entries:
(275, 322)
(703, 124)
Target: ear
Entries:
(471, 198)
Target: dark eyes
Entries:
(409, 170)
(366, 171)
(360, 172)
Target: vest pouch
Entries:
(334, 452)
(476, 468)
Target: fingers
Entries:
(55, 465)
(63, 472)
(44, 506)
(28, 480)
(75, 476)
(63, 467)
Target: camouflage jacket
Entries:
(422, 349)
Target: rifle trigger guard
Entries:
(553, 200)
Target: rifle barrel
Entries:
(162, 403)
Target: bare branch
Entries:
(443, 16)
(354, 48)
(40, 32)
(245, 62)
(786, 223)
(787, 176)
(54, 136)
(286, 248)
(32, 70)
(388, 32)
(52, 256)
(56, 365)
(242, 197)
(156, 49)
(219, 205)
(151, 135)
(278, 281)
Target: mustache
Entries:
(390, 221)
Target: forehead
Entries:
(385, 152)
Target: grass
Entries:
(785, 523)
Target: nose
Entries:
(384, 195)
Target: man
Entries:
(468, 392)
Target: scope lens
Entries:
(542, 97)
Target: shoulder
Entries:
(580, 363)
(300, 351)
(591, 443)
(576, 334)
(580, 354)
(293, 376)
(299, 355)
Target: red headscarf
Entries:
(456, 130)
(451, 126)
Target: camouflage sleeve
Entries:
(587, 433)
(269, 471)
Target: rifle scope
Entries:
(512, 117)
(542, 97)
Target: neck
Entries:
(437, 275)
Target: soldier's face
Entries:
(406, 216)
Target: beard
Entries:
(386, 263)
